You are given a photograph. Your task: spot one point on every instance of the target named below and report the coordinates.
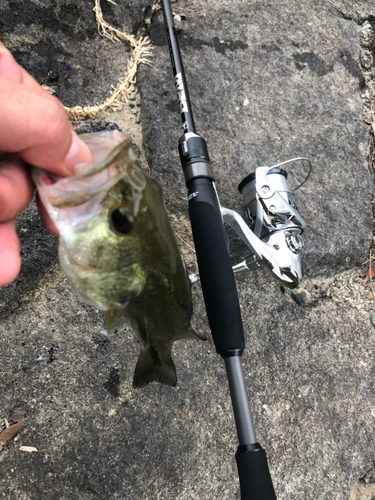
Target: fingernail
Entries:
(78, 153)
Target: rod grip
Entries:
(255, 478)
(215, 269)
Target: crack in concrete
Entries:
(365, 488)
(348, 17)
(367, 53)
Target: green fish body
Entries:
(119, 250)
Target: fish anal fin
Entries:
(189, 333)
(149, 368)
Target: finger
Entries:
(46, 218)
(10, 69)
(10, 260)
(16, 188)
(35, 126)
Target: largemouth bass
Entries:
(119, 250)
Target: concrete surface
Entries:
(293, 86)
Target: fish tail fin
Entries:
(150, 368)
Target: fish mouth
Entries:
(69, 192)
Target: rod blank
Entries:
(240, 401)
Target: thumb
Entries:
(78, 153)
(35, 126)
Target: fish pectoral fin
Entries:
(113, 321)
(189, 333)
(150, 368)
(108, 317)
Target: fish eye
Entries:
(122, 220)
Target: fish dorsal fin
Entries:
(150, 368)
(189, 333)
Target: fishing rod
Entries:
(272, 232)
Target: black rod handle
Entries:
(254, 474)
(215, 268)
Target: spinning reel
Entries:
(272, 228)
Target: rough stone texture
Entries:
(58, 43)
(354, 10)
(309, 368)
(302, 82)
(364, 492)
(38, 253)
(310, 374)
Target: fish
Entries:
(119, 251)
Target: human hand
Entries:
(34, 129)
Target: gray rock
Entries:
(59, 45)
(39, 259)
(93, 126)
(309, 370)
(310, 377)
(304, 99)
(300, 298)
(357, 11)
